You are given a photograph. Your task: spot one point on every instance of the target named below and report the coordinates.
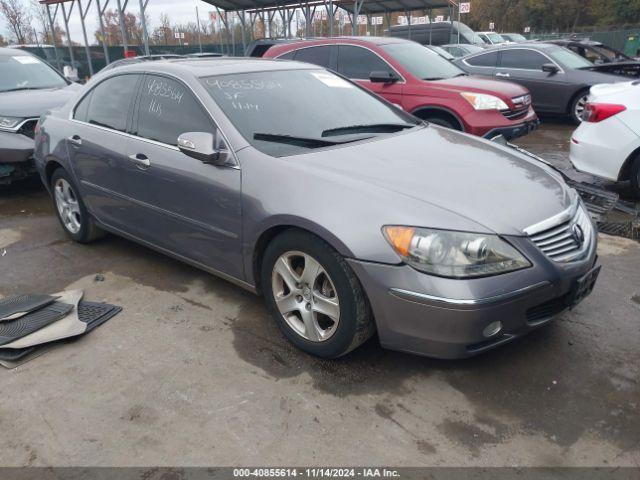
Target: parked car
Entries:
(491, 38)
(440, 33)
(607, 143)
(514, 37)
(462, 49)
(421, 82)
(441, 51)
(352, 219)
(28, 88)
(558, 79)
(604, 59)
(139, 59)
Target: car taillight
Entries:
(597, 112)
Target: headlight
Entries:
(482, 101)
(454, 254)
(10, 122)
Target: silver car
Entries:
(348, 215)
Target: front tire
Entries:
(315, 298)
(70, 209)
(635, 178)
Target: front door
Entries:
(357, 63)
(524, 66)
(186, 207)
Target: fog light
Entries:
(492, 329)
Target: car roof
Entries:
(568, 41)
(13, 52)
(205, 67)
(529, 44)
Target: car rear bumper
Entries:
(445, 318)
(594, 152)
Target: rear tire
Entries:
(302, 277)
(635, 178)
(70, 209)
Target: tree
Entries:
(19, 19)
(3, 42)
(112, 33)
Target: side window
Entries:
(82, 109)
(484, 60)
(110, 102)
(167, 110)
(358, 62)
(320, 56)
(288, 55)
(523, 59)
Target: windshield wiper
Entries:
(19, 88)
(371, 128)
(306, 142)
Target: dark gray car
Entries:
(558, 79)
(346, 213)
(28, 88)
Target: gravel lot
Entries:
(193, 372)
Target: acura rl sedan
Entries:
(347, 214)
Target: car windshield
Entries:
(569, 59)
(26, 72)
(516, 37)
(495, 38)
(422, 62)
(288, 112)
(466, 32)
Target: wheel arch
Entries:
(51, 165)
(576, 94)
(425, 111)
(625, 171)
(255, 253)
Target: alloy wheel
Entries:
(305, 296)
(580, 104)
(68, 206)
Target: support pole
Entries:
(458, 23)
(53, 34)
(66, 17)
(220, 22)
(101, 22)
(330, 15)
(198, 22)
(243, 23)
(123, 30)
(83, 15)
(430, 21)
(408, 14)
(143, 21)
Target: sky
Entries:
(180, 11)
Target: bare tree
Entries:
(19, 19)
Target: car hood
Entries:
(489, 185)
(477, 84)
(33, 103)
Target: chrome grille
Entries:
(521, 107)
(568, 240)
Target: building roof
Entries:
(368, 6)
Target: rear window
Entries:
(489, 59)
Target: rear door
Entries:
(185, 206)
(98, 143)
(357, 63)
(321, 55)
(524, 66)
(481, 64)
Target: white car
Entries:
(491, 38)
(607, 142)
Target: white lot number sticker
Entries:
(26, 59)
(331, 80)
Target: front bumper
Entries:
(514, 131)
(445, 318)
(15, 148)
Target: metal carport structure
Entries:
(353, 8)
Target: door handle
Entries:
(140, 160)
(75, 140)
(499, 74)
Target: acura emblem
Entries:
(578, 234)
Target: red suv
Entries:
(422, 82)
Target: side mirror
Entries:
(550, 68)
(204, 146)
(380, 76)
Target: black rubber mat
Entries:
(13, 329)
(23, 304)
(92, 313)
